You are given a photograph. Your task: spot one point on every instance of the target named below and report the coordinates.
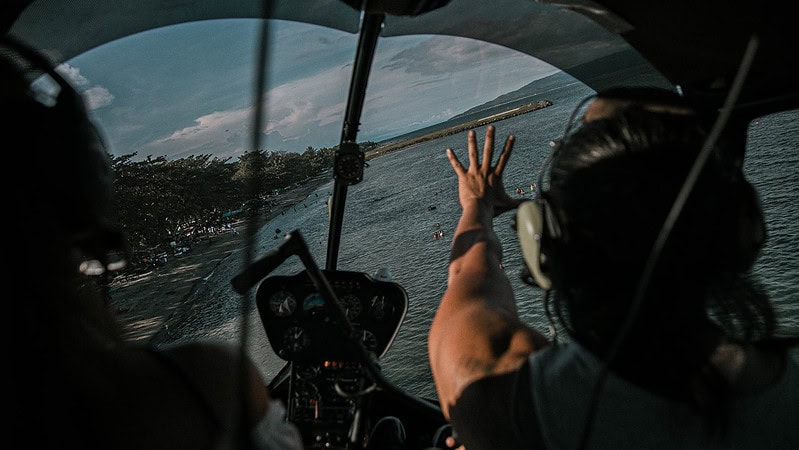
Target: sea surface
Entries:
(390, 218)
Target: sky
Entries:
(188, 89)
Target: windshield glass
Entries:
(176, 107)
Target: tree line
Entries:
(160, 201)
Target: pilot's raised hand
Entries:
(481, 182)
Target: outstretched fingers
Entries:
(454, 162)
(504, 155)
(488, 150)
(488, 154)
(472, 146)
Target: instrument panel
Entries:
(327, 383)
(302, 327)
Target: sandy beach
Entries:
(145, 304)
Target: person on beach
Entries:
(75, 383)
(669, 343)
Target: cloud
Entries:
(301, 113)
(441, 55)
(222, 133)
(97, 97)
(94, 96)
(317, 102)
(411, 87)
(206, 108)
(72, 75)
(435, 78)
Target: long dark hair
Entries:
(612, 184)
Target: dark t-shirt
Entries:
(496, 412)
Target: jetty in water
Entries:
(393, 146)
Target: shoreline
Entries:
(143, 305)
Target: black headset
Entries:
(532, 217)
(537, 220)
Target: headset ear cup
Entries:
(530, 230)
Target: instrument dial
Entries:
(369, 340)
(380, 308)
(296, 339)
(282, 303)
(313, 303)
(352, 306)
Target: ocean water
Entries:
(388, 223)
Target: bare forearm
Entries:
(476, 331)
(475, 262)
(474, 226)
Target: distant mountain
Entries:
(525, 94)
(530, 93)
(631, 71)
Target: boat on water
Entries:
(331, 327)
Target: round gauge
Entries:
(380, 308)
(296, 339)
(313, 302)
(352, 306)
(369, 340)
(282, 303)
